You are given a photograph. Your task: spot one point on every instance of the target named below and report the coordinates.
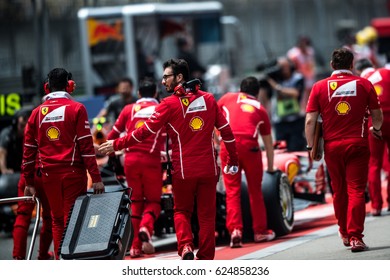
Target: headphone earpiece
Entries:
(46, 88)
(71, 86)
(180, 90)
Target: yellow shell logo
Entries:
(247, 108)
(137, 107)
(139, 124)
(196, 123)
(44, 110)
(343, 108)
(243, 97)
(378, 89)
(53, 133)
(185, 101)
(333, 85)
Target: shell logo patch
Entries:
(53, 133)
(196, 123)
(343, 108)
(378, 89)
(139, 124)
(247, 108)
(44, 110)
(185, 101)
(333, 85)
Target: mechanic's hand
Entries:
(30, 191)
(98, 187)
(376, 133)
(232, 170)
(107, 147)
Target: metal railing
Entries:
(37, 218)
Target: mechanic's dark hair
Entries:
(250, 85)
(126, 80)
(362, 64)
(179, 66)
(147, 87)
(58, 79)
(342, 58)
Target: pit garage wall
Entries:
(267, 28)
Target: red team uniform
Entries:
(58, 133)
(23, 222)
(190, 121)
(247, 118)
(343, 100)
(142, 166)
(380, 78)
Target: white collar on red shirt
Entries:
(147, 99)
(57, 94)
(342, 71)
(366, 71)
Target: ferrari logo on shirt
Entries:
(139, 124)
(185, 101)
(347, 89)
(44, 110)
(333, 85)
(53, 133)
(247, 108)
(243, 96)
(196, 123)
(137, 107)
(343, 108)
(57, 115)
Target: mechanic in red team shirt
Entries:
(189, 116)
(248, 119)
(343, 100)
(142, 167)
(379, 148)
(58, 132)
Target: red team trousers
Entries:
(347, 160)
(62, 189)
(378, 153)
(144, 175)
(184, 191)
(250, 160)
(23, 221)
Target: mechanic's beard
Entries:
(169, 89)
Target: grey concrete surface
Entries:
(322, 244)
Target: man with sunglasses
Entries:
(190, 117)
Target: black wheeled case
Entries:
(99, 228)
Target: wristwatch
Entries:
(309, 148)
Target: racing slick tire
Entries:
(278, 199)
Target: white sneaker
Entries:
(236, 239)
(267, 235)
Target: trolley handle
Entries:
(37, 219)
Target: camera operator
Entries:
(287, 86)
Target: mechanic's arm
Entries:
(269, 150)
(310, 124)
(87, 150)
(284, 91)
(150, 127)
(377, 120)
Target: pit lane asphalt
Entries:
(322, 244)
